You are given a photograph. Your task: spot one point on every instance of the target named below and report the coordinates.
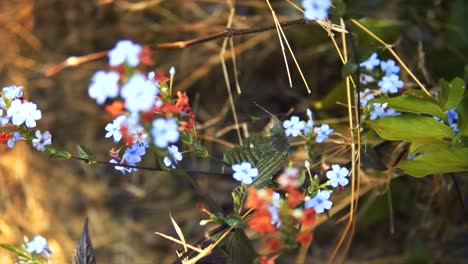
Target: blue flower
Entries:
(365, 78)
(390, 84)
(370, 63)
(174, 156)
(389, 67)
(337, 176)
(294, 126)
(366, 96)
(244, 172)
(125, 51)
(122, 169)
(452, 117)
(165, 132)
(382, 110)
(274, 209)
(322, 133)
(133, 154)
(38, 246)
(3, 120)
(12, 92)
(104, 85)
(139, 93)
(42, 140)
(320, 202)
(113, 129)
(11, 142)
(316, 9)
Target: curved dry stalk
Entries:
(389, 48)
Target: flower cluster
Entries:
(316, 9)
(295, 127)
(289, 211)
(380, 78)
(145, 114)
(20, 115)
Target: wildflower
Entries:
(316, 9)
(115, 108)
(274, 209)
(452, 117)
(104, 85)
(38, 246)
(365, 78)
(371, 62)
(174, 156)
(320, 202)
(4, 136)
(261, 222)
(308, 217)
(15, 137)
(304, 238)
(164, 132)
(337, 176)
(389, 67)
(139, 93)
(244, 172)
(382, 110)
(145, 56)
(42, 140)
(3, 120)
(125, 51)
(12, 92)
(133, 154)
(266, 260)
(294, 126)
(366, 96)
(310, 123)
(294, 197)
(257, 198)
(23, 113)
(289, 178)
(113, 129)
(273, 244)
(122, 169)
(322, 133)
(390, 84)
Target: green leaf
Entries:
(186, 138)
(413, 104)
(266, 151)
(451, 93)
(238, 197)
(85, 153)
(239, 248)
(200, 150)
(442, 160)
(349, 68)
(462, 110)
(422, 146)
(60, 155)
(411, 128)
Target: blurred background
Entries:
(426, 221)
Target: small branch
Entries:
(190, 172)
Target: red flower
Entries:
(308, 218)
(304, 238)
(261, 222)
(265, 260)
(258, 198)
(115, 108)
(161, 77)
(4, 137)
(294, 197)
(145, 56)
(273, 244)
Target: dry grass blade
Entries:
(179, 242)
(179, 233)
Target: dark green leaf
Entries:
(411, 128)
(234, 221)
(238, 197)
(462, 110)
(384, 29)
(200, 150)
(349, 68)
(84, 252)
(442, 160)
(186, 138)
(413, 104)
(266, 151)
(451, 93)
(85, 153)
(240, 249)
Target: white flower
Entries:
(165, 132)
(38, 245)
(293, 126)
(113, 129)
(244, 172)
(316, 9)
(23, 113)
(139, 93)
(125, 51)
(174, 156)
(12, 91)
(370, 63)
(104, 85)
